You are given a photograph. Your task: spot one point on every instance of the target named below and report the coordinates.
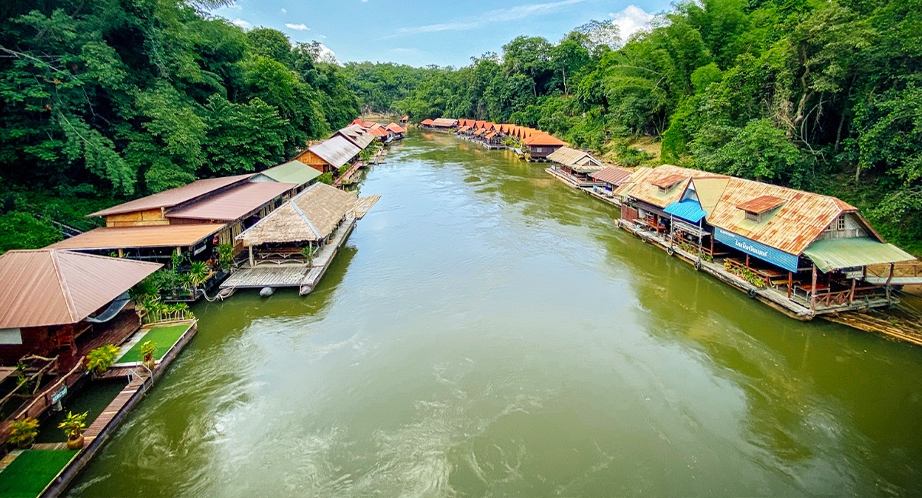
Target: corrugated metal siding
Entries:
(835, 254)
(614, 176)
(49, 287)
(336, 151)
(291, 172)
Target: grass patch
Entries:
(31, 471)
(164, 337)
(93, 398)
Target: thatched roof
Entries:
(308, 217)
(576, 159)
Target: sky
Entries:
(424, 32)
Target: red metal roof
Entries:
(50, 287)
(233, 204)
(173, 197)
(668, 181)
(544, 139)
(426, 121)
(396, 128)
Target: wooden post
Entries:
(121, 253)
(813, 291)
(851, 295)
(252, 260)
(887, 285)
(747, 261)
(790, 283)
(700, 232)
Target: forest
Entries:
(110, 100)
(818, 95)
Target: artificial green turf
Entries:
(164, 337)
(31, 471)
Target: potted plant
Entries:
(225, 256)
(148, 349)
(100, 359)
(23, 432)
(73, 426)
(309, 253)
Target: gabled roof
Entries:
(543, 139)
(111, 238)
(614, 176)
(643, 184)
(173, 197)
(396, 128)
(336, 151)
(291, 172)
(445, 122)
(575, 158)
(379, 132)
(47, 287)
(668, 181)
(356, 134)
(308, 217)
(426, 121)
(796, 224)
(233, 204)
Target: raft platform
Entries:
(292, 274)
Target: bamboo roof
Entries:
(576, 159)
(47, 287)
(308, 217)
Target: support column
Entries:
(851, 295)
(887, 285)
(790, 283)
(813, 291)
(252, 259)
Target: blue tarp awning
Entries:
(688, 210)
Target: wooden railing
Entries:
(42, 401)
(912, 269)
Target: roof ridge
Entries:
(65, 288)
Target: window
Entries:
(840, 223)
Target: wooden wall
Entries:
(137, 219)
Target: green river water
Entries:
(488, 332)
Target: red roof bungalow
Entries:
(426, 124)
(541, 145)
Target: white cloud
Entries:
(284, 11)
(325, 54)
(240, 22)
(493, 16)
(631, 20)
(297, 27)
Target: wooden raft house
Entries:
(293, 246)
(56, 306)
(802, 253)
(574, 167)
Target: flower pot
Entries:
(75, 444)
(25, 445)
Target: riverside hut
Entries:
(609, 179)
(330, 155)
(574, 166)
(541, 145)
(426, 124)
(309, 219)
(397, 130)
(445, 124)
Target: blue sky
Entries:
(419, 32)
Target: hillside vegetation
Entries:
(110, 100)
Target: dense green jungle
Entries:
(111, 100)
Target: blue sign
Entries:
(58, 396)
(774, 256)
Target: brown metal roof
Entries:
(138, 237)
(761, 204)
(802, 217)
(49, 287)
(614, 176)
(336, 151)
(445, 122)
(173, 197)
(233, 204)
(644, 184)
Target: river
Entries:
(488, 332)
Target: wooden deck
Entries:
(363, 205)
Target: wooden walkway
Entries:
(110, 412)
(266, 276)
(363, 205)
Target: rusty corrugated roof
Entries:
(336, 151)
(233, 204)
(643, 184)
(112, 238)
(792, 228)
(50, 287)
(173, 197)
(668, 181)
(761, 204)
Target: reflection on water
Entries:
(488, 332)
